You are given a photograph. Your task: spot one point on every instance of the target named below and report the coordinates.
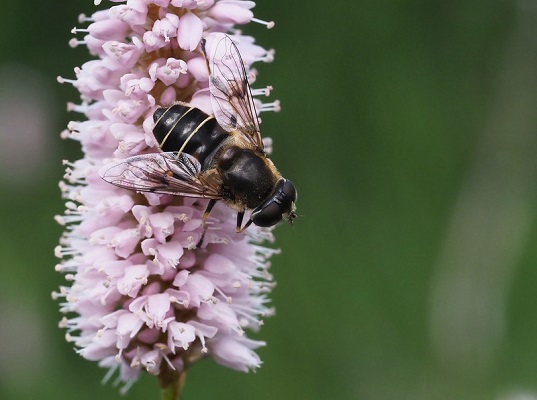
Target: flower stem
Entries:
(171, 389)
(170, 393)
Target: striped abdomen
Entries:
(184, 128)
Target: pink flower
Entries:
(140, 294)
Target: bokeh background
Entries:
(410, 129)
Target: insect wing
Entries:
(166, 173)
(231, 97)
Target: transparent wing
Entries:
(167, 173)
(231, 97)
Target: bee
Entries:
(219, 157)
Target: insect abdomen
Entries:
(186, 128)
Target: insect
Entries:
(215, 157)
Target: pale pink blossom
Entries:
(140, 295)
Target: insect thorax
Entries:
(247, 177)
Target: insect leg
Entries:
(240, 216)
(206, 213)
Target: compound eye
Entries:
(269, 215)
(280, 204)
(289, 190)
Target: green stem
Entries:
(170, 389)
(170, 392)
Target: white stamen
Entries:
(109, 374)
(228, 299)
(75, 30)
(268, 24)
(262, 91)
(60, 79)
(125, 388)
(72, 126)
(84, 18)
(267, 57)
(162, 348)
(74, 42)
(274, 106)
(80, 108)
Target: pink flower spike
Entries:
(187, 4)
(169, 72)
(133, 13)
(180, 335)
(134, 278)
(153, 41)
(169, 96)
(231, 11)
(125, 54)
(199, 288)
(128, 325)
(181, 278)
(107, 29)
(190, 31)
(167, 26)
(143, 291)
(198, 68)
(236, 354)
(156, 309)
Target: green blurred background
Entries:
(410, 130)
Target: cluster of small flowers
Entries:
(141, 294)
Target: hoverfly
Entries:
(215, 157)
